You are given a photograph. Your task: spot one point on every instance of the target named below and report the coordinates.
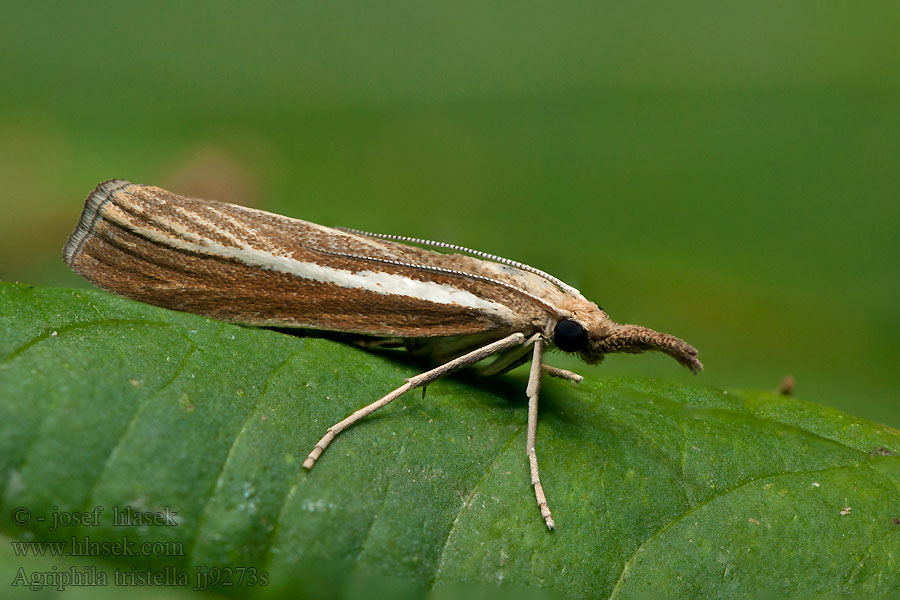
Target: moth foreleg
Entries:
(411, 383)
(533, 390)
(562, 373)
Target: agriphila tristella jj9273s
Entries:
(256, 268)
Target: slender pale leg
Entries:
(562, 373)
(412, 383)
(534, 388)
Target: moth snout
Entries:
(634, 339)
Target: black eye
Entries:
(569, 336)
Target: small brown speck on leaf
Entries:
(881, 451)
(754, 521)
(786, 386)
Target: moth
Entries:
(256, 268)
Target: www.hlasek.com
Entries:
(204, 578)
(84, 546)
(61, 577)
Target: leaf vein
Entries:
(471, 496)
(220, 477)
(659, 532)
(378, 514)
(114, 451)
(50, 332)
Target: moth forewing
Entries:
(253, 267)
(188, 254)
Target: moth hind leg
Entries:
(420, 380)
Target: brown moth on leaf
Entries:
(252, 267)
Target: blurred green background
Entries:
(726, 172)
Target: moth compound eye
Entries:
(569, 336)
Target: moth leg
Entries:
(510, 359)
(562, 373)
(534, 388)
(411, 383)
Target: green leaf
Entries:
(687, 490)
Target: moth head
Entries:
(592, 334)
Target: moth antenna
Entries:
(506, 261)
